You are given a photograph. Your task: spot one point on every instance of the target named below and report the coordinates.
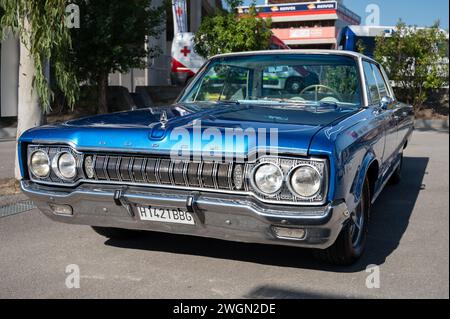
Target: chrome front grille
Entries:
(150, 170)
(158, 171)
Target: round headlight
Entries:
(40, 164)
(268, 178)
(305, 181)
(66, 166)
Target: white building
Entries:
(305, 24)
(158, 72)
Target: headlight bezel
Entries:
(54, 177)
(33, 172)
(57, 169)
(293, 170)
(288, 164)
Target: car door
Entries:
(403, 114)
(392, 138)
(377, 89)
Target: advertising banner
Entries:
(290, 8)
(179, 9)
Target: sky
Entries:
(413, 12)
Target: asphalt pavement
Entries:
(409, 241)
(7, 158)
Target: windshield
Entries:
(299, 79)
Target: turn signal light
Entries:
(289, 233)
(64, 210)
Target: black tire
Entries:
(116, 233)
(350, 246)
(294, 86)
(397, 176)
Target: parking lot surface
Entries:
(408, 240)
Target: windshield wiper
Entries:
(282, 100)
(328, 104)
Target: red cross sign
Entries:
(185, 51)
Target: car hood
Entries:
(219, 128)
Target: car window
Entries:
(372, 85)
(280, 78)
(223, 82)
(382, 88)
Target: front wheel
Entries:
(351, 242)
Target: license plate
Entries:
(176, 216)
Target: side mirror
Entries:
(386, 102)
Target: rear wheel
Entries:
(351, 242)
(116, 233)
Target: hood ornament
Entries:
(163, 119)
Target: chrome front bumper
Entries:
(221, 216)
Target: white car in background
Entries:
(292, 80)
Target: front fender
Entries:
(355, 144)
(358, 183)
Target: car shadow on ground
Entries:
(276, 292)
(390, 218)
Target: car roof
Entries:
(298, 51)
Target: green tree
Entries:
(228, 32)
(112, 38)
(414, 59)
(361, 47)
(39, 26)
(343, 79)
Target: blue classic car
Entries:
(240, 161)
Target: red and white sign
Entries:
(184, 57)
(179, 9)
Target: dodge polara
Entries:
(238, 159)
